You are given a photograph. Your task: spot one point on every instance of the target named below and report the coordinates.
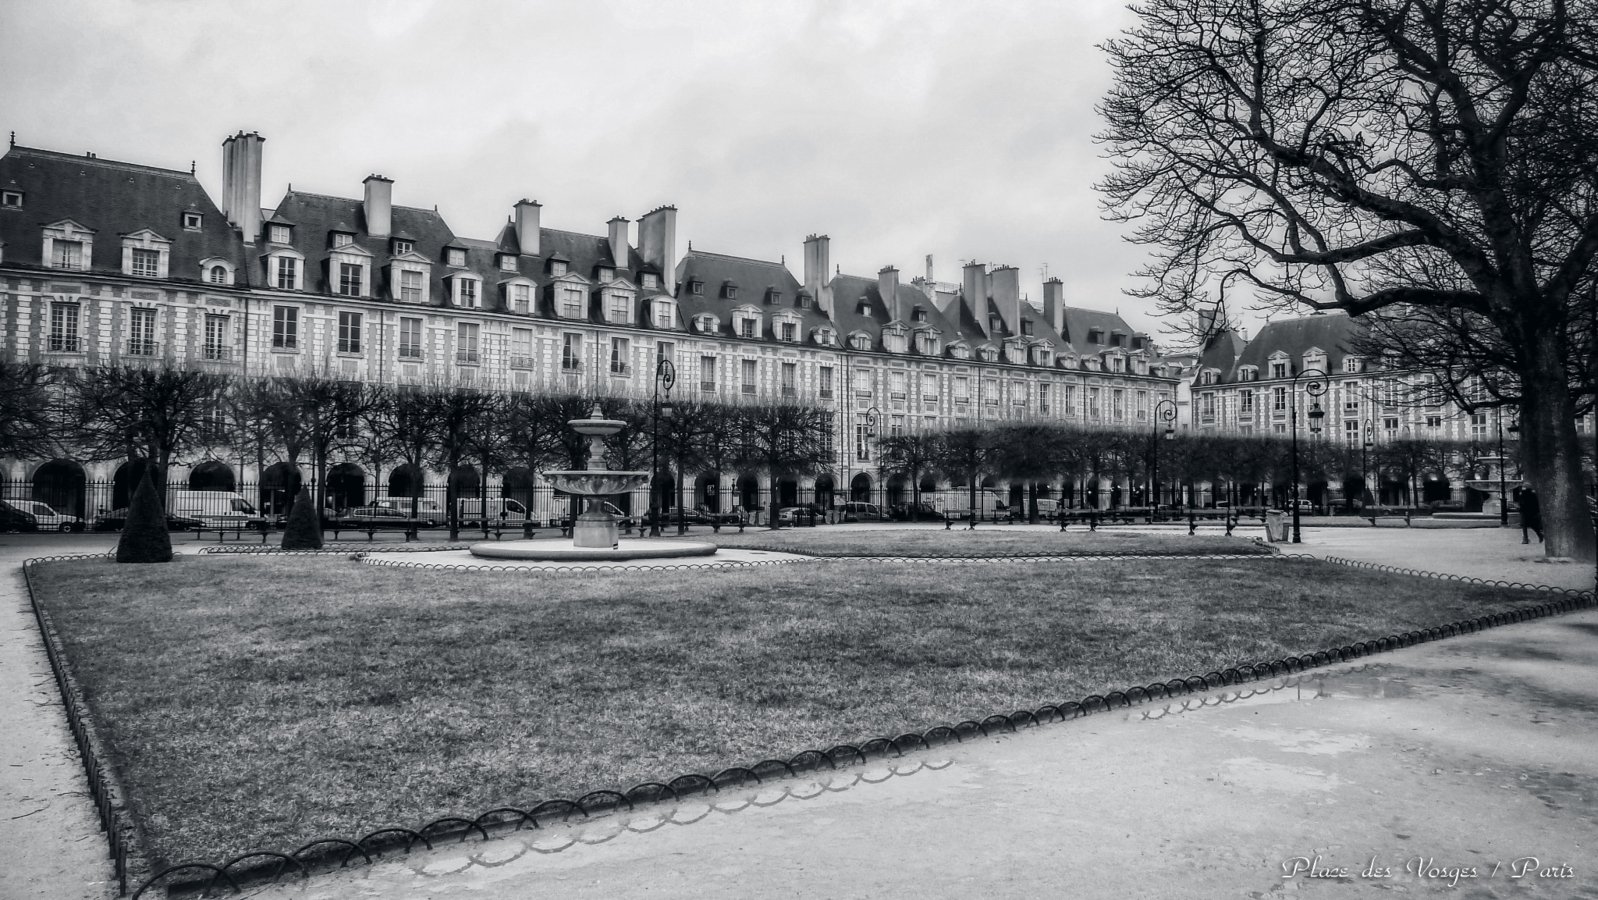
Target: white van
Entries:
(471, 511)
(217, 509)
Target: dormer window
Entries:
(746, 327)
(988, 354)
(960, 351)
(192, 221)
(706, 323)
(1117, 339)
(995, 324)
(729, 292)
(403, 247)
(68, 245)
(805, 301)
(279, 234)
(145, 254)
(696, 287)
(342, 239)
(860, 342)
(789, 333)
(919, 314)
(773, 296)
(606, 274)
(11, 199)
(507, 262)
(466, 292)
(863, 308)
(662, 314)
(216, 275)
(145, 263)
(1095, 336)
(216, 271)
(455, 256)
(557, 267)
(651, 281)
(894, 340)
(826, 337)
(1351, 364)
(618, 308)
(926, 343)
(572, 303)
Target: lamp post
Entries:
(871, 415)
(1364, 461)
(665, 377)
(1164, 411)
(1315, 387)
(1503, 498)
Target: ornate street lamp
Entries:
(1314, 387)
(665, 377)
(1164, 411)
(1364, 461)
(1503, 498)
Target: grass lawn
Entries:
(992, 540)
(259, 702)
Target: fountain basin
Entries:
(597, 482)
(551, 551)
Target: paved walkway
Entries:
(1451, 766)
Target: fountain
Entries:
(1491, 484)
(594, 532)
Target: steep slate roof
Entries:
(316, 215)
(113, 199)
(753, 277)
(849, 290)
(1222, 352)
(1080, 322)
(586, 252)
(1332, 333)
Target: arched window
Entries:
(218, 275)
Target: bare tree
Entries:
(320, 414)
(783, 439)
(27, 425)
(968, 454)
(910, 455)
(155, 412)
(1367, 155)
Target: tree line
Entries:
(168, 415)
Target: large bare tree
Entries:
(1370, 155)
(160, 413)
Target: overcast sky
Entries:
(962, 130)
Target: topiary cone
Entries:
(144, 535)
(304, 528)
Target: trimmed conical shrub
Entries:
(304, 529)
(144, 536)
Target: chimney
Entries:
(817, 261)
(619, 256)
(379, 206)
(527, 215)
(930, 279)
(975, 294)
(1054, 305)
(657, 243)
(241, 183)
(888, 288)
(1006, 286)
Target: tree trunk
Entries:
(1551, 454)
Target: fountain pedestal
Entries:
(595, 528)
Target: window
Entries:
(824, 379)
(410, 286)
(929, 388)
(749, 368)
(696, 287)
(191, 221)
(141, 331)
(217, 275)
(278, 234)
(663, 317)
(1351, 432)
(349, 279)
(665, 350)
(507, 262)
(707, 374)
(403, 247)
(897, 388)
(467, 338)
(860, 342)
(1207, 406)
(862, 442)
(990, 392)
(455, 256)
(606, 274)
(557, 267)
(11, 199)
(410, 337)
(862, 382)
(1043, 398)
(521, 298)
(619, 309)
(1478, 426)
(790, 332)
(1093, 403)
(1350, 364)
(64, 328)
(571, 303)
(731, 292)
(349, 332)
(1068, 400)
(66, 254)
(651, 281)
(1118, 404)
(1245, 403)
(285, 328)
(926, 344)
(790, 380)
(962, 389)
(521, 348)
(216, 337)
(620, 353)
(340, 239)
(470, 297)
(288, 273)
(571, 352)
(1278, 399)
(746, 327)
(1434, 421)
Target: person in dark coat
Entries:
(1531, 515)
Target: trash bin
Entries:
(1276, 526)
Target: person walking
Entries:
(1530, 513)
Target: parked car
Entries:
(394, 510)
(919, 512)
(856, 511)
(48, 519)
(428, 512)
(379, 514)
(799, 515)
(687, 516)
(117, 519)
(500, 511)
(13, 519)
(217, 509)
(623, 520)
